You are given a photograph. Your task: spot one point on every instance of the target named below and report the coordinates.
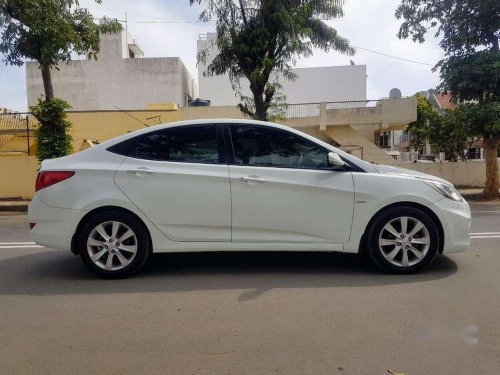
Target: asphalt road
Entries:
(252, 313)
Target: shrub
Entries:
(53, 140)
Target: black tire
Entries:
(141, 242)
(374, 251)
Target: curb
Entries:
(14, 207)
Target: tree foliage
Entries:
(472, 77)
(470, 31)
(419, 130)
(258, 38)
(463, 24)
(452, 133)
(49, 31)
(53, 140)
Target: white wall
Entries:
(471, 173)
(114, 80)
(313, 85)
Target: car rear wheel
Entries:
(403, 240)
(114, 244)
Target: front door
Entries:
(284, 191)
(176, 177)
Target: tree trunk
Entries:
(260, 109)
(258, 101)
(492, 180)
(47, 82)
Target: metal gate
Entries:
(17, 125)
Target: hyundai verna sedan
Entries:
(236, 185)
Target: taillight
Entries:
(48, 178)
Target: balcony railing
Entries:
(302, 110)
(353, 108)
(344, 108)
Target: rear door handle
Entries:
(140, 171)
(255, 179)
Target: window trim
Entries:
(219, 138)
(231, 159)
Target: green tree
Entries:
(49, 31)
(257, 39)
(470, 72)
(52, 137)
(452, 133)
(419, 130)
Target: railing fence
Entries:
(17, 124)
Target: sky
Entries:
(368, 24)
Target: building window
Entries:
(383, 139)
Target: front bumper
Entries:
(455, 218)
(54, 226)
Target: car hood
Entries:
(388, 169)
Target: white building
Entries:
(121, 77)
(313, 85)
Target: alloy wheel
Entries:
(404, 241)
(112, 245)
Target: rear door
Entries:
(178, 177)
(284, 191)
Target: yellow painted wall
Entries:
(18, 143)
(104, 125)
(162, 106)
(8, 123)
(18, 175)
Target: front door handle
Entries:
(255, 179)
(140, 171)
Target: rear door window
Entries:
(185, 144)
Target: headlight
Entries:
(448, 191)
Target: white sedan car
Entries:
(237, 185)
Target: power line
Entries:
(392, 56)
(128, 114)
(360, 48)
(172, 22)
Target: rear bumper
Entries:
(54, 226)
(455, 218)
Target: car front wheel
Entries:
(403, 240)
(113, 244)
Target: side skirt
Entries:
(179, 247)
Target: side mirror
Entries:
(335, 160)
